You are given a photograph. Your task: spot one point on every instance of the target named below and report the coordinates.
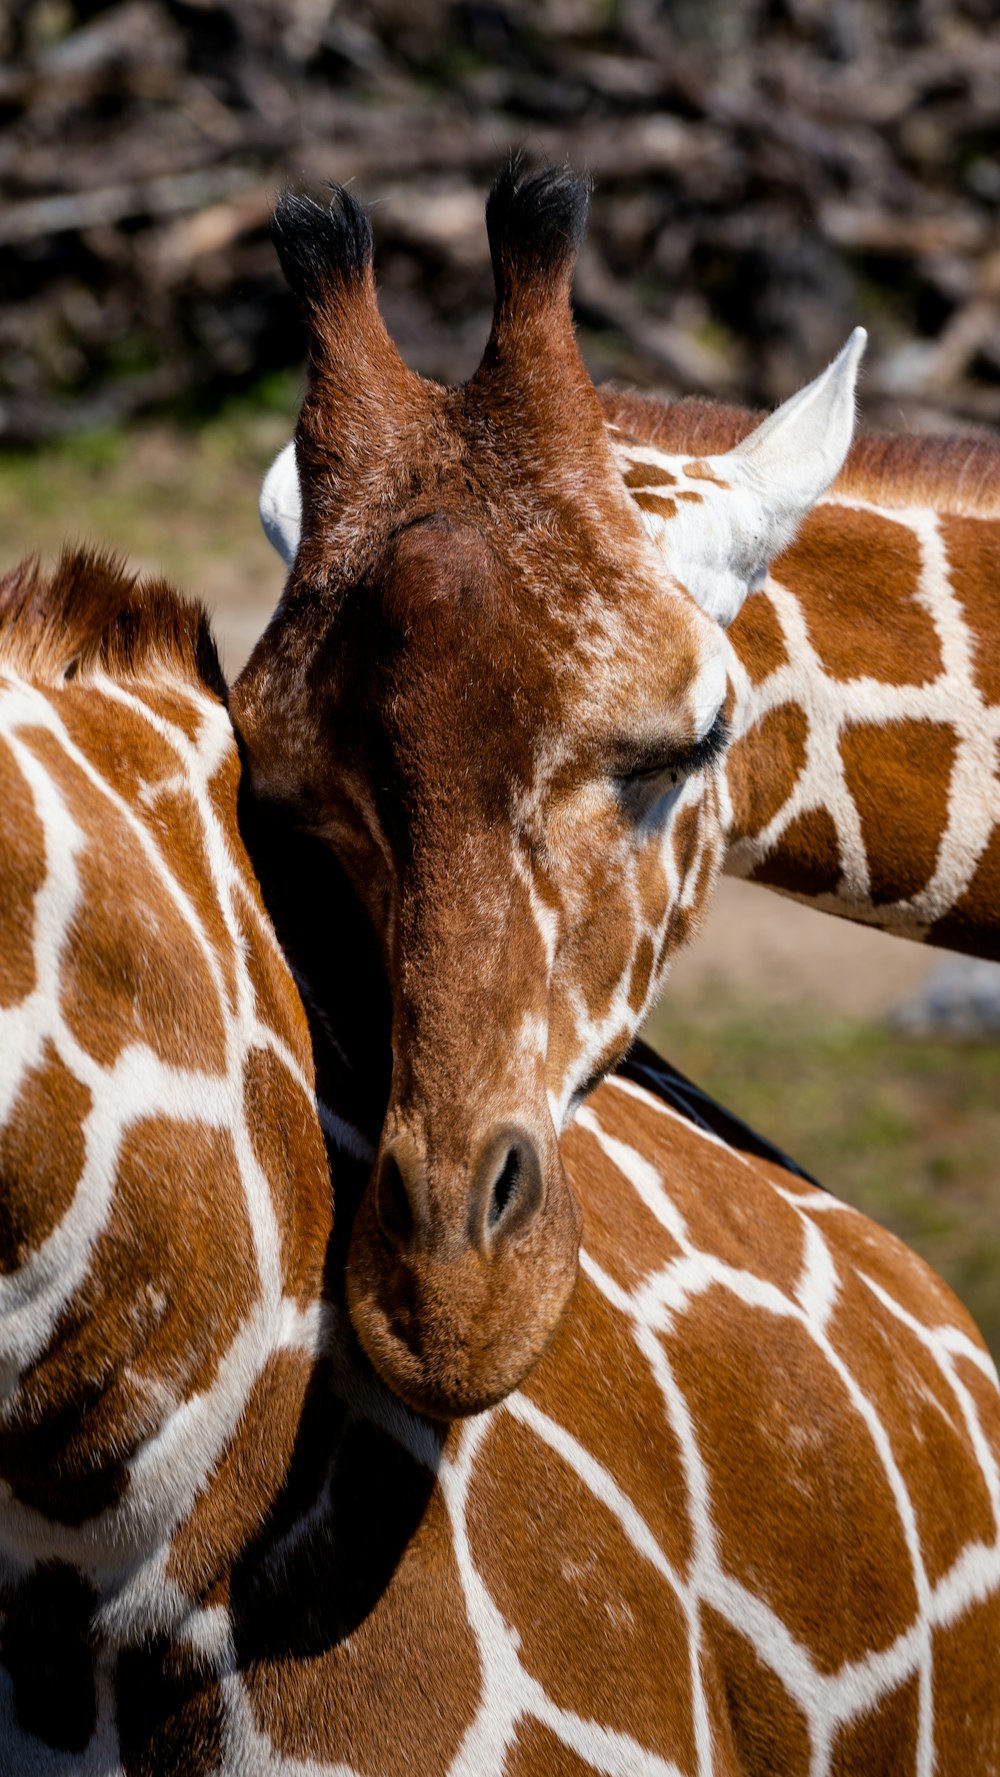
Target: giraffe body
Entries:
(865, 773)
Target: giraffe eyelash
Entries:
(679, 762)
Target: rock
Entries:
(961, 999)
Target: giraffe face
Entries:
(531, 838)
(496, 701)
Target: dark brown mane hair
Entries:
(91, 615)
(954, 472)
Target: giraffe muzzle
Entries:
(458, 1277)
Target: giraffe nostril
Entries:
(507, 1189)
(504, 1188)
(392, 1203)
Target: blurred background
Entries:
(768, 174)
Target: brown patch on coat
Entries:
(758, 638)
(643, 958)
(882, 1742)
(855, 575)
(207, 1282)
(761, 1727)
(619, 1417)
(119, 742)
(821, 1517)
(973, 548)
(660, 506)
(684, 835)
(763, 767)
(905, 766)
(22, 874)
(649, 475)
(699, 470)
(536, 1752)
(679, 929)
(751, 1228)
(602, 945)
(971, 924)
(369, 1612)
(175, 824)
(877, 1255)
(621, 1234)
(966, 1657)
(288, 1145)
(171, 1278)
(42, 1151)
(806, 859)
(597, 1626)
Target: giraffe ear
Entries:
(766, 486)
(793, 456)
(280, 504)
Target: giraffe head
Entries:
(487, 692)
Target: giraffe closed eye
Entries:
(660, 764)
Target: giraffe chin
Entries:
(452, 1335)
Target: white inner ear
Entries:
(753, 499)
(280, 504)
(793, 456)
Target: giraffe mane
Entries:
(90, 615)
(954, 472)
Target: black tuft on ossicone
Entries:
(536, 220)
(320, 246)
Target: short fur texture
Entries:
(865, 774)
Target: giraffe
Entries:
(742, 1518)
(864, 775)
(481, 690)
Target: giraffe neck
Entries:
(152, 1265)
(866, 696)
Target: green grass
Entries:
(907, 1130)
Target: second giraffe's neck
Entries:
(866, 691)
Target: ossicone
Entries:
(536, 221)
(322, 247)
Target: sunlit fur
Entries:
(865, 774)
(744, 1516)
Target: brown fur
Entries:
(91, 615)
